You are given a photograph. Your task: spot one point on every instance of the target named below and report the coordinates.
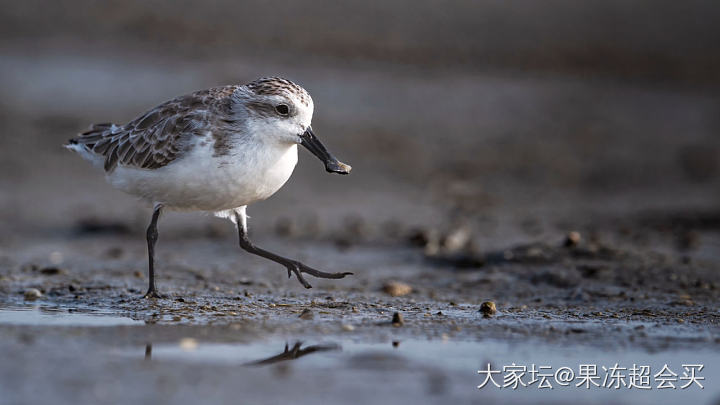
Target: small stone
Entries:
(488, 309)
(395, 343)
(572, 239)
(397, 319)
(347, 327)
(138, 274)
(396, 288)
(306, 314)
(456, 240)
(32, 294)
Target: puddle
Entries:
(55, 316)
(454, 366)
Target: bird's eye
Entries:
(282, 109)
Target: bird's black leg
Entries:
(152, 236)
(293, 266)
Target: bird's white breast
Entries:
(202, 180)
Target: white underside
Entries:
(200, 181)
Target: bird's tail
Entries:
(85, 142)
(90, 137)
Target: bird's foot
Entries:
(298, 268)
(152, 293)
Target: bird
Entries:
(216, 150)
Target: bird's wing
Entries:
(160, 136)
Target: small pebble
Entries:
(397, 319)
(32, 294)
(347, 327)
(396, 288)
(488, 309)
(456, 240)
(572, 239)
(306, 314)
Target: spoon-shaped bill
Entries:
(313, 144)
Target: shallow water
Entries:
(451, 367)
(37, 315)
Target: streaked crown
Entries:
(268, 86)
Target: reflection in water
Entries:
(443, 367)
(288, 354)
(295, 353)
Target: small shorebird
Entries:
(215, 150)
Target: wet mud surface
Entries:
(413, 313)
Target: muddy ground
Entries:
(582, 202)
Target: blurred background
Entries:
(495, 113)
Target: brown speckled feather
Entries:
(278, 85)
(161, 135)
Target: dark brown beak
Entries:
(313, 144)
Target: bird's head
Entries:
(281, 110)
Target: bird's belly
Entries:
(201, 182)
